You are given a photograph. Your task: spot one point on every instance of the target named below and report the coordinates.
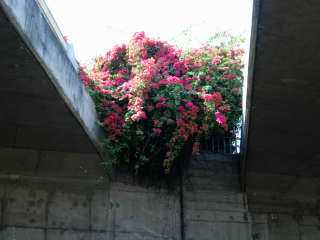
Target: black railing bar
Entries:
(224, 145)
(212, 147)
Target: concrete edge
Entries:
(55, 28)
(250, 86)
(65, 181)
(32, 25)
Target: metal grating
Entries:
(221, 144)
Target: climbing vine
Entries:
(152, 98)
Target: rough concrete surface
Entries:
(51, 109)
(51, 184)
(49, 209)
(78, 206)
(282, 139)
(215, 208)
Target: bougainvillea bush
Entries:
(152, 98)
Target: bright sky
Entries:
(94, 26)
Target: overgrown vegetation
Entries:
(152, 98)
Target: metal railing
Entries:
(221, 144)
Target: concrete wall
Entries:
(54, 210)
(64, 195)
(275, 222)
(279, 226)
(215, 208)
(60, 195)
(285, 215)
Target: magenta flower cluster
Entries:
(152, 98)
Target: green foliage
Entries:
(153, 100)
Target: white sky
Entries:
(93, 26)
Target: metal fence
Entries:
(220, 144)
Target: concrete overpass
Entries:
(44, 106)
(51, 186)
(283, 108)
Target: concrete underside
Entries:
(283, 153)
(43, 104)
(48, 125)
(52, 188)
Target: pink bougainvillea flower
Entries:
(215, 97)
(224, 108)
(189, 104)
(161, 105)
(157, 131)
(233, 53)
(156, 122)
(163, 82)
(229, 76)
(113, 122)
(221, 119)
(174, 80)
(139, 116)
(151, 88)
(104, 75)
(216, 60)
(162, 99)
(181, 108)
(155, 85)
(180, 122)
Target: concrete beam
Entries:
(281, 133)
(36, 28)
